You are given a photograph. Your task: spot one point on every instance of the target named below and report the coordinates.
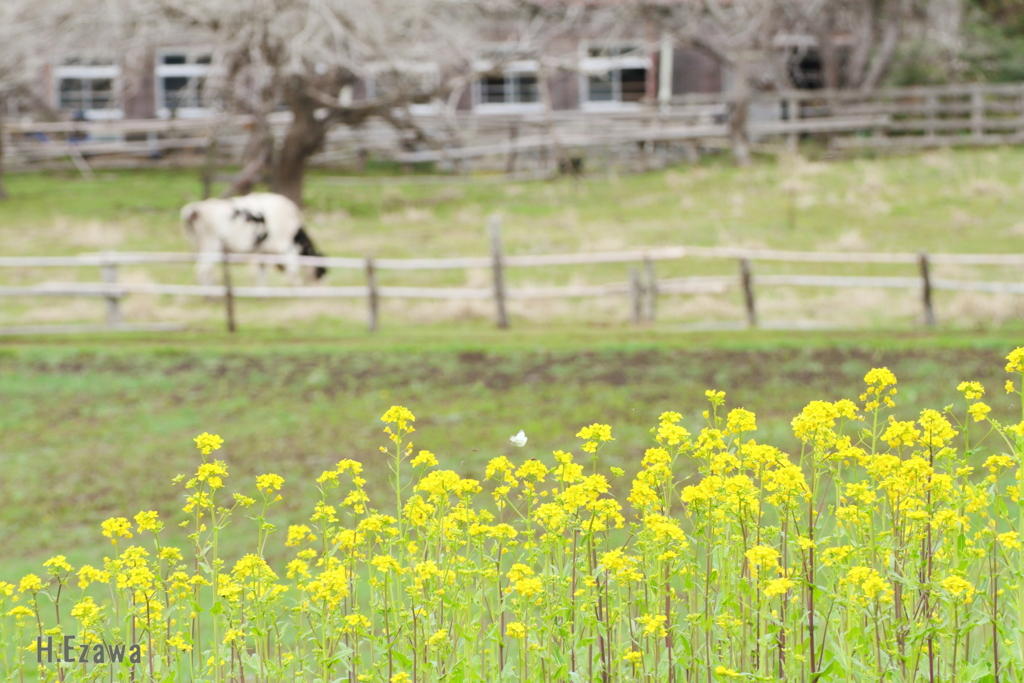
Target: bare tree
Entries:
(312, 55)
(37, 34)
(19, 65)
(739, 34)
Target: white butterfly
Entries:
(519, 439)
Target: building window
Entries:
(615, 74)
(181, 77)
(87, 90)
(513, 88)
(509, 82)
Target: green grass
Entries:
(97, 427)
(943, 201)
(964, 200)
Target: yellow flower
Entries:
(740, 420)
(971, 390)
(978, 411)
(831, 556)
(178, 641)
(57, 564)
(211, 473)
(881, 386)
(515, 630)
(778, 587)
(357, 622)
(116, 527)
(86, 611)
(400, 677)
(88, 575)
(384, 563)
(717, 398)
(654, 624)
(1016, 360)
(30, 583)
(937, 430)
(268, 483)
(297, 533)
(424, 458)
(20, 612)
(994, 462)
(439, 638)
(957, 586)
(723, 671)
(399, 415)
(870, 582)
(900, 433)
(529, 587)
(762, 556)
(232, 635)
(595, 434)
(148, 521)
(1009, 386)
(1009, 540)
(207, 443)
(633, 657)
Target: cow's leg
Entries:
(261, 274)
(293, 270)
(205, 268)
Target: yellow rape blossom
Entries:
(424, 458)
(268, 483)
(1015, 360)
(116, 527)
(515, 630)
(207, 443)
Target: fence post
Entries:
(229, 294)
(652, 289)
(636, 295)
(209, 165)
(792, 114)
(498, 260)
(372, 296)
(748, 292)
(109, 275)
(977, 112)
(926, 289)
(932, 106)
(513, 137)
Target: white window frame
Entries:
(510, 71)
(190, 69)
(609, 66)
(90, 73)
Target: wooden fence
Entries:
(976, 114)
(642, 288)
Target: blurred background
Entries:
(537, 215)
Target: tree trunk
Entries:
(304, 139)
(256, 158)
(738, 116)
(892, 29)
(865, 34)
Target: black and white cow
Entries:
(259, 223)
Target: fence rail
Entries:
(964, 114)
(642, 286)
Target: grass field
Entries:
(93, 428)
(942, 201)
(97, 426)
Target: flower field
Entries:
(884, 550)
